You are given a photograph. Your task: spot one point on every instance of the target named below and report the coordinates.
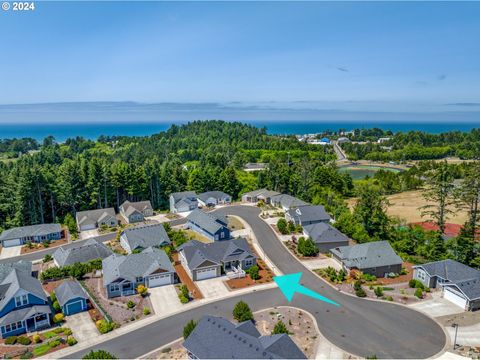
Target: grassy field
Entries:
(405, 206)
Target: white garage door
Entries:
(13, 242)
(454, 298)
(206, 273)
(159, 280)
(87, 227)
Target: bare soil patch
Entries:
(265, 277)
(174, 351)
(234, 223)
(41, 246)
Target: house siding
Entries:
(422, 276)
(382, 270)
(325, 247)
(136, 217)
(212, 237)
(10, 306)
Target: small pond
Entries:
(359, 172)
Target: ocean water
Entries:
(61, 132)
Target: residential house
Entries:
(209, 225)
(259, 195)
(134, 212)
(374, 258)
(325, 236)
(183, 201)
(255, 166)
(212, 198)
(23, 303)
(217, 338)
(93, 219)
(141, 237)
(307, 215)
(286, 202)
(71, 297)
(205, 261)
(123, 274)
(33, 233)
(90, 250)
(460, 283)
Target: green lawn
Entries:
(41, 349)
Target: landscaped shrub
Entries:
(67, 331)
(242, 312)
(184, 291)
(306, 247)
(254, 272)
(146, 311)
(26, 355)
(10, 340)
(188, 328)
(419, 285)
(71, 341)
(56, 306)
(54, 343)
(357, 285)
(403, 271)
(104, 326)
(282, 226)
(389, 298)
(99, 354)
(368, 277)
(23, 340)
(183, 299)
(36, 339)
(291, 227)
(142, 290)
(360, 292)
(58, 318)
(419, 293)
(47, 258)
(378, 291)
(412, 283)
(280, 328)
(130, 304)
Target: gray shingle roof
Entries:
(465, 278)
(145, 236)
(32, 230)
(91, 217)
(217, 338)
(90, 250)
(135, 265)
(309, 213)
(130, 207)
(287, 201)
(207, 221)
(23, 265)
(217, 252)
(16, 280)
(367, 255)
(69, 290)
(262, 192)
(177, 196)
(324, 233)
(23, 314)
(212, 194)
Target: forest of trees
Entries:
(414, 145)
(80, 174)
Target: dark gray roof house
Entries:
(136, 211)
(122, 274)
(209, 224)
(32, 233)
(325, 236)
(374, 258)
(286, 202)
(142, 237)
(206, 260)
(6, 268)
(212, 198)
(183, 201)
(460, 283)
(217, 338)
(90, 250)
(92, 219)
(308, 214)
(260, 194)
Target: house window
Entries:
(13, 326)
(115, 287)
(248, 263)
(21, 300)
(216, 237)
(139, 279)
(222, 235)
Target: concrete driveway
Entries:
(321, 264)
(87, 234)
(213, 288)
(8, 252)
(467, 335)
(164, 300)
(83, 327)
(437, 307)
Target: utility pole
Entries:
(455, 325)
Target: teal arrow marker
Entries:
(290, 284)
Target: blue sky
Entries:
(386, 60)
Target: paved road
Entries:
(339, 152)
(359, 326)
